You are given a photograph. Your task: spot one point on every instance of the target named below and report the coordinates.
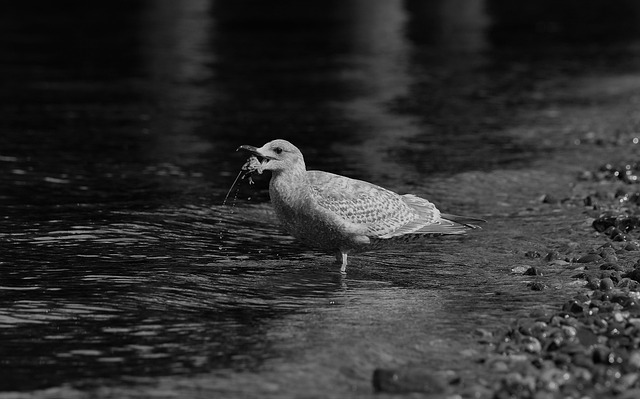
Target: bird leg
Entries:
(341, 258)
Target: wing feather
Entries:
(377, 209)
(380, 212)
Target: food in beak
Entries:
(252, 165)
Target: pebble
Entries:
(532, 271)
(606, 284)
(589, 346)
(531, 344)
(519, 269)
(559, 262)
(552, 255)
(628, 283)
(537, 286)
(589, 258)
(549, 199)
(632, 246)
(607, 251)
(633, 275)
(483, 335)
(611, 266)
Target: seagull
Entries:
(341, 215)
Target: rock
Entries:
(607, 251)
(627, 223)
(618, 236)
(604, 222)
(603, 355)
(606, 284)
(626, 282)
(589, 258)
(407, 380)
(552, 255)
(483, 335)
(593, 283)
(582, 360)
(632, 246)
(614, 275)
(559, 262)
(569, 332)
(573, 307)
(531, 344)
(537, 286)
(519, 269)
(622, 300)
(532, 254)
(633, 275)
(610, 266)
(532, 271)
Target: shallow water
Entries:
(124, 275)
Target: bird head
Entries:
(277, 156)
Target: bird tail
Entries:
(469, 222)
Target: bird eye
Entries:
(277, 150)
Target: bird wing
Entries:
(380, 212)
(431, 221)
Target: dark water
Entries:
(123, 275)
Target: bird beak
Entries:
(255, 151)
(250, 148)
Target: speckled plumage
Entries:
(343, 215)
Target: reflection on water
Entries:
(120, 268)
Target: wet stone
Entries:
(531, 344)
(602, 354)
(618, 236)
(614, 275)
(633, 275)
(628, 283)
(632, 246)
(537, 286)
(611, 266)
(593, 283)
(532, 271)
(604, 222)
(573, 307)
(552, 255)
(559, 262)
(532, 254)
(607, 251)
(550, 199)
(606, 284)
(589, 258)
(519, 269)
